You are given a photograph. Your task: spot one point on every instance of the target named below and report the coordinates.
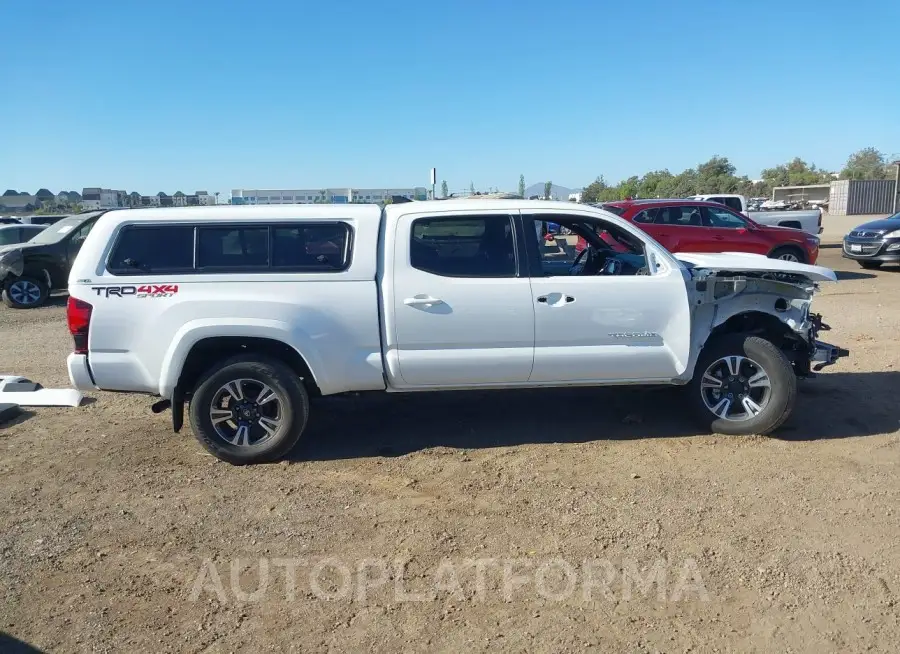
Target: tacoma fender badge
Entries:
(634, 335)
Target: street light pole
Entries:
(896, 165)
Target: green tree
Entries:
(593, 191)
(867, 163)
(522, 186)
(794, 173)
(444, 190)
(548, 188)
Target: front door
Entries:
(732, 233)
(610, 326)
(462, 307)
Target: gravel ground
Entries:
(547, 521)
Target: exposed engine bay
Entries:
(742, 299)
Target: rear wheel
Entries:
(870, 265)
(249, 409)
(25, 293)
(742, 385)
(788, 253)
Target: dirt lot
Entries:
(499, 521)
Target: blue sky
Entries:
(174, 95)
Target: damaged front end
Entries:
(12, 262)
(775, 305)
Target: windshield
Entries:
(8, 236)
(57, 231)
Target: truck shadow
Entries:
(11, 645)
(835, 405)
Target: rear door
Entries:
(730, 232)
(462, 305)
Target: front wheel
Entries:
(788, 253)
(25, 293)
(743, 385)
(249, 409)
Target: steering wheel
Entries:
(577, 267)
(594, 260)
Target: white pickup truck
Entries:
(246, 312)
(810, 221)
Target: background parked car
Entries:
(30, 271)
(874, 243)
(13, 233)
(698, 226)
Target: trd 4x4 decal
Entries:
(145, 290)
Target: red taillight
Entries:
(78, 314)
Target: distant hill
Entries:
(556, 192)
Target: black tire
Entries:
(292, 398)
(13, 298)
(778, 252)
(870, 265)
(782, 379)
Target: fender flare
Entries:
(195, 331)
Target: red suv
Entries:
(696, 226)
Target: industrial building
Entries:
(847, 197)
(816, 193)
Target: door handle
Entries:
(421, 301)
(545, 298)
(719, 238)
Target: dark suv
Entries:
(874, 243)
(30, 271)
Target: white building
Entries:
(324, 195)
(102, 198)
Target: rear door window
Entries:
(150, 249)
(464, 246)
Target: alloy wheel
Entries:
(24, 292)
(246, 412)
(735, 388)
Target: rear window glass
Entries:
(253, 248)
(153, 249)
(232, 247)
(314, 246)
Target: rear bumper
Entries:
(80, 373)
